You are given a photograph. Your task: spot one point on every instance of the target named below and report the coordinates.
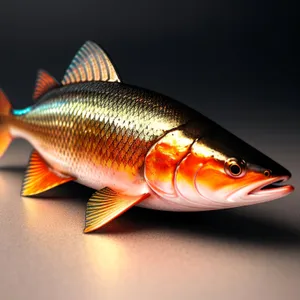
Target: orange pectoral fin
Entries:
(105, 205)
(39, 177)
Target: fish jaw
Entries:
(254, 188)
(256, 193)
(262, 191)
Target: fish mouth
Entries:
(272, 187)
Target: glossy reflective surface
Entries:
(246, 253)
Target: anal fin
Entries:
(39, 177)
(105, 205)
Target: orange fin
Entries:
(5, 137)
(44, 83)
(5, 106)
(5, 140)
(105, 205)
(39, 177)
(91, 63)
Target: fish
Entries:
(133, 146)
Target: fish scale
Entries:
(101, 126)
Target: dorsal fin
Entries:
(91, 63)
(44, 83)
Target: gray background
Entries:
(235, 63)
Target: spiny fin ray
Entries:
(44, 83)
(105, 205)
(39, 177)
(90, 63)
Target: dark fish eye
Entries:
(267, 173)
(234, 167)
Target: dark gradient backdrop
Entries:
(236, 63)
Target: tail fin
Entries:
(5, 109)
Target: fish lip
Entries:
(281, 190)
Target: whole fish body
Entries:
(133, 146)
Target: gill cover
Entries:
(162, 160)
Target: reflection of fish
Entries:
(134, 146)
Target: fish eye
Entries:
(267, 173)
(235, 168)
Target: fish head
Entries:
(226, 172)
